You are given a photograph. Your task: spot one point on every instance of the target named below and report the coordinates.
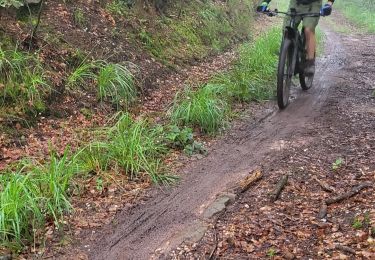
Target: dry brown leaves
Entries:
(254, 228)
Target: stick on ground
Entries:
(355, 190)
(279, 188)
(323, 211)
(345, 249)
(324, 185)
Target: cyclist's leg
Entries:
(309, 24)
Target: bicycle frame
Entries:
(292, 33)
(292, 53)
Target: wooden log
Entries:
(279, 188)
(250, 180)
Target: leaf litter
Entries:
(337, 166)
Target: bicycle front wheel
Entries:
(306, 81)
(284, 73)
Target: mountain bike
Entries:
(292, 57)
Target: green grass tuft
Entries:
(131, 146)
(114, 81)
(116, 84)
(203, 108)
(32, 195)
(135, 147)
(253, 75)
(22, 82)
(81, 75)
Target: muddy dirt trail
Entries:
(326, 209)
(179, 214)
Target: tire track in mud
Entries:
(145, 228)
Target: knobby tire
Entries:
(306, 82)
(284, 73)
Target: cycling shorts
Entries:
(308, 22)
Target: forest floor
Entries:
(325, 139)
(324, 142)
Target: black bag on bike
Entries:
(305, 2)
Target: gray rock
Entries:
(219, 205)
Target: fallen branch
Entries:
(213, 251)
(279, 188)
(324, 185)
(250, 180)
(323, 211)
(355, 190)
(345, 249)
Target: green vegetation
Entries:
(37, 192)
(130, 146)
(114, 81)
(271, 252)
(81, 75)
(117, 7)
(79, 18)
(363, 221)
(361, 12)
(203, 108)
(183, 138)
(32, 195)
(337, 164)
(189, 30)
(116, 84)
(252, 78)
(253, 75)
(357, 223)
(9, 3)
(22, 81)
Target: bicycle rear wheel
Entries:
(284, 73)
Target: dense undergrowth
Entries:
(35, 192)
(174, 34)
(251, 79)
(361, 12)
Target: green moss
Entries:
(6, 42)
(201, 29)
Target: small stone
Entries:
(289, 256)
(335, 228)
(343, 257)
(113, 208)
